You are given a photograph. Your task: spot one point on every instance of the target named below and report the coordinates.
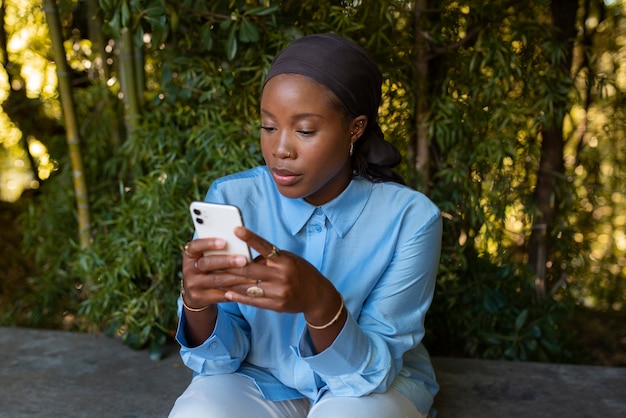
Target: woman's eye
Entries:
(267, 128)
(305, 132)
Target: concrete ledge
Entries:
(484, 388)
(60, 374)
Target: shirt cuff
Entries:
(214, 346)
(345, 354)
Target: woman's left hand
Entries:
(288, 282)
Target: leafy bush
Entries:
(488, 311)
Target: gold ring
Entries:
(255, 291)
(186, 251)
(274, 253)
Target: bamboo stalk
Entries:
(129, 80)
(140, 74)
(71, 125)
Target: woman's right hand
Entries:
(205, 287)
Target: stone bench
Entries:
(60, 374)
(500, 389)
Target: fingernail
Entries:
(220, 242)
(240, 261)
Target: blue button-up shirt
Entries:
(379, 244)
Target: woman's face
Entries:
(305, 139)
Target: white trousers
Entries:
(235, 396)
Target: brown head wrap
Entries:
(350, 73)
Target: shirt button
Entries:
(213, 346)
(318, 211)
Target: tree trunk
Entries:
(418, 150)
(71, 125)
(551, 164)
(99, 41)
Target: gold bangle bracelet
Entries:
(332, 321)
(189, 308)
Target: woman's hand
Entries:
(288, 282)
(203, 282)
(276, 280)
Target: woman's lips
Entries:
(284, 177)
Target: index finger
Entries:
(261, 245)
(198, 246)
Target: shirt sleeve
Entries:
(224, 350)
(367, 354)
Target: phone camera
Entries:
(200, 220)
(197, 211)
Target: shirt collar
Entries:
(342, 212)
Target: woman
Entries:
(328, 320)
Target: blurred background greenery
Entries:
(509, 114)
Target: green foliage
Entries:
(135, 262)
(489, 312)
(199, 126)
(50, 245)
(493, 86)
(486, 127)
(49, 224)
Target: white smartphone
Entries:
(214, 220)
